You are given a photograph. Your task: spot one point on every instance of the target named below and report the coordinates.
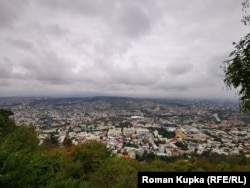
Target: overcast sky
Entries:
(148, 48)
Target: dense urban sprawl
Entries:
(135, 127)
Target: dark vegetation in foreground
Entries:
(25, 163)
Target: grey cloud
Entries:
(9, 11)
(6, 68)
(135, 77)
(3, 84)
(133, 46)
(172, 85)
(179, 66)
(175, 88)
(214, 64)
(49, 69)
(110, 74)
(111, 47)
(132, 20)
(86, 7)
(187, 82)
(128, 18)
(11, 70)
(21, 44)
(56, 30)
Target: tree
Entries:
(16, 151)
(41, 169)
(84, 159)
(246, 17)
(51, 142)
(115, 172)
(7, 124)
(237, 67)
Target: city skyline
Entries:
(120, 48)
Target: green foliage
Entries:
(246, 17)
(51, 142)
(237, 67)
(115, 173)
(237, 71)
(227, 163)
(157, 165)
(67, 183)
(124, 124)
(129, 144)
(24, 164)
(185, 165)
(182, 145)
(15, 153)
(84, 159)
(164, 132)
(42, 168)
(7, 124)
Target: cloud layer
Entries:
(130, 48)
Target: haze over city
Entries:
(125, 48)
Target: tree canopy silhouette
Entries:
(237, 66)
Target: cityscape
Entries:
(137, 127)
(118, 94)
